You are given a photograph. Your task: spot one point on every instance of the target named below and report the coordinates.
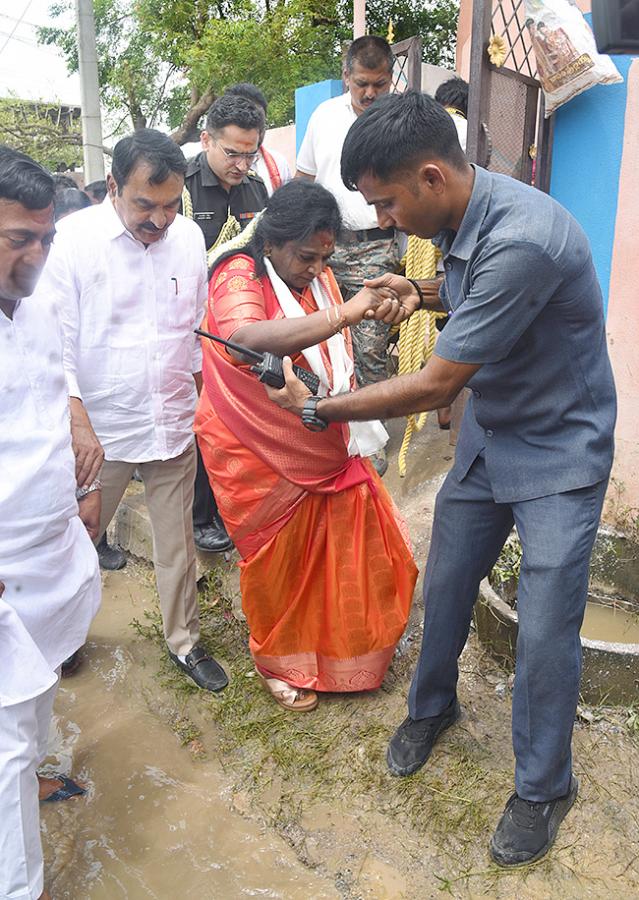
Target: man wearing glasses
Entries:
(219, 179)
(222, 195)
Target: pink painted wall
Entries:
(283, 140)
(622, 322)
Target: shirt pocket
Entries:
(181, 303)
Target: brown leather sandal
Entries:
(291, 698)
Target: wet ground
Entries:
(157, 822)
(229, 797)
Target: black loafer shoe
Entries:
(212, 538)
(527, 830)
(203, 669)
(110, 558)
(412, 743)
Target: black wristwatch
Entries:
(310, 419)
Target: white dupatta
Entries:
(366, 438)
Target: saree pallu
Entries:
(327, 575)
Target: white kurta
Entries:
(128, 314)
(47, 561)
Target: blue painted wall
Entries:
(586, 161)
(309, 97)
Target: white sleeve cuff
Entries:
(72, 384)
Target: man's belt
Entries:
(368, 234)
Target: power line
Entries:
(15, 27)
(32, 44)
(24, 21)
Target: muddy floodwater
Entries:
(610, 623)
(157, 823)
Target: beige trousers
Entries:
(168, 492)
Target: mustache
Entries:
(149, 226)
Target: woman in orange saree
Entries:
(327, 574)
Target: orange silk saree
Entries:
(327, 575)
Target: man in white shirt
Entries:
(364, 250)
(49, 577)
(453, 96)
(129, 276)
(270, 165)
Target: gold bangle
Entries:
(340, 322)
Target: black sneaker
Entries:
(205, 671)
(527, 830)
(412, 743)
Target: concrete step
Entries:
(131, 530)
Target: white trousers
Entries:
(24, 732)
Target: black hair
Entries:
(454, 93)
(96, 189)
(64, 182)
(394, 133)
(147, 146)
(22, 180)
(294, 212)
(235, 110)
(69, 200)
(249, 92)
(371, 52)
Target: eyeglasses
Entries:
(237, 155)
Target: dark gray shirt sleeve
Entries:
(510, 283)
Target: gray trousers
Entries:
(557, 535)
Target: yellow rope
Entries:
(418, 334)
(187, 203)
(229, 230)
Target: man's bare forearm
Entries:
(435, 386)
(386, 400)
(429, 389)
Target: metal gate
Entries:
(507, 131)
(407, 72)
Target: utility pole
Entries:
(359, 18)
(89, 93)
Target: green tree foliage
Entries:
(434, 20)
(165, 61)
(48, 132)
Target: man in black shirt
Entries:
(222, 195)
(219, 179)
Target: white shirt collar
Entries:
(114, 227)
(113, 224)
(348, 101)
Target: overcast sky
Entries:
(28, 69)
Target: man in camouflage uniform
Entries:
(352, 262)
(364, 250)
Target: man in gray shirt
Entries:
(526, 334)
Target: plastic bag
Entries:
(565, 51)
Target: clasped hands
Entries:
(389, 298)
